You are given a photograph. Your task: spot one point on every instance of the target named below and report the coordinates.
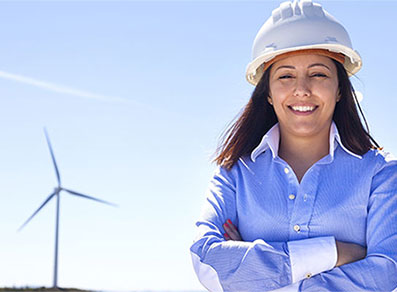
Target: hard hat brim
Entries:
(352, 62)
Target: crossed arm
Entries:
(347, 252)
(224, 262)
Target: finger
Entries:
(231, 225)
(226, 236)
(230, 229)
(229, 232)
(234, 229)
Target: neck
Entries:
(303, 151)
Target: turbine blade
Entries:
(37, 211)
(88, 197)
(53, 157)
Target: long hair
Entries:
(258, 117)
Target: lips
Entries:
(303, 109)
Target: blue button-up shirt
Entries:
(343, 196)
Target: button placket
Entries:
(291, 199)
(301, 214)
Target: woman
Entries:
(303, 199)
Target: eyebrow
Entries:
(319, 64)
(310, 66)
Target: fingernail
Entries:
(229, 221)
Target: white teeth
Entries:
(303, 108)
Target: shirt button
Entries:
(308, 275)
(305, 197)
(291, 197)
(286, 170)
(297, 228)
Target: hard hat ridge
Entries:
(300, 25)
(289, 9)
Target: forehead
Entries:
(305, 61)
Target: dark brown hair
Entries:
(258, 117)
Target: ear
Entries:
(269, 100)
(338, 96)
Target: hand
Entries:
(232, 232)
(349, 252)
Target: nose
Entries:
(302, 87)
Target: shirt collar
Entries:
(272, 138)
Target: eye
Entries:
(285, 76)
(322, 75)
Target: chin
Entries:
(306, 130)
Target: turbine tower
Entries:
(56, 193)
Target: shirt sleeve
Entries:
(378, 271)
(311, 256)
(249, 266)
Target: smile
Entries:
(305, 109)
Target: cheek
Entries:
(277, 88)
(333, 87)
(278, 95)
(329, 94)
(278, 108)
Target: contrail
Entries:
(64, 89)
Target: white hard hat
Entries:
(296, 26)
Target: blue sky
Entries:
(134, 96)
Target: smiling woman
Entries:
(303, 93)
(303, 199)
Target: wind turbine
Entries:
(56, 193)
